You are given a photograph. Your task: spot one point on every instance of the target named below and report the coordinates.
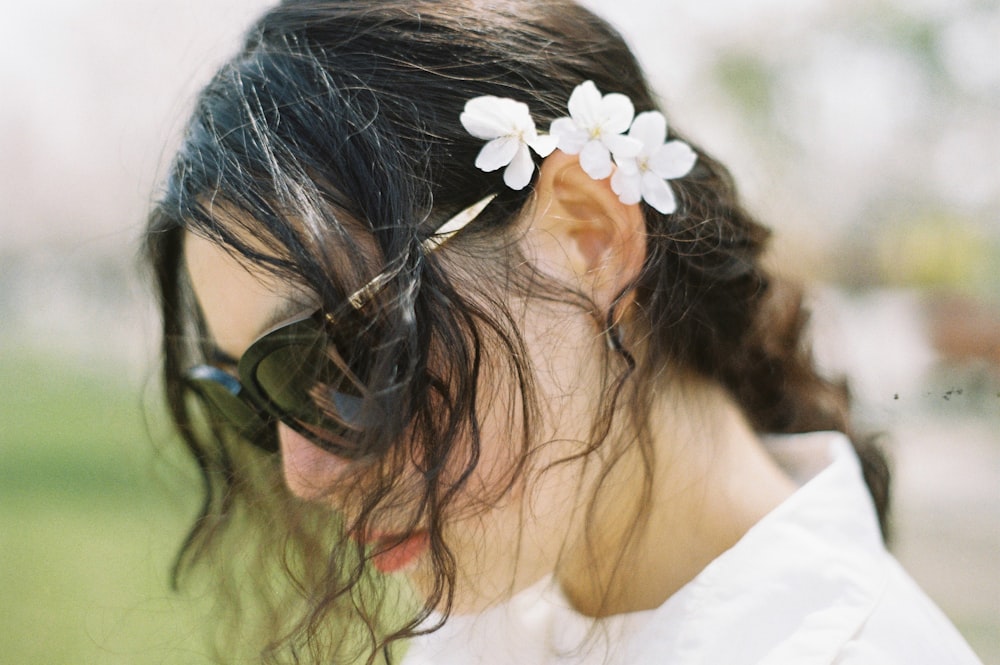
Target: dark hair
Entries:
(342, 116)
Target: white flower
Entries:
(594, 129)
(508, 127)
(645, 175)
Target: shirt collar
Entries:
(795, 588)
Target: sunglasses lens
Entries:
(315, 383)
(220, 391)
(303, 382)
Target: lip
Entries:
(392, 554)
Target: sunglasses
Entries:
(308, 372)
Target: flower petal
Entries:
(497, 153)
(616, 113)
(585, 104)
(623, 147)
(544, 145)
(657, 193)
(570, 138)
(627, 164)
(596, 160)
(628, 186)
(518, 174)
(489, 117)
(674, 160)
(650, 128)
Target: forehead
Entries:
(238, 299)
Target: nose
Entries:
(311, 473)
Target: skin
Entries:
(712, 479)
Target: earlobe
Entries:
(581, 234)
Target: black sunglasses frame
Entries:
(251, 406)
(252, 402)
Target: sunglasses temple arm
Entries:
(369, 290)
(445, 232)
(442, 235)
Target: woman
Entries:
(469, 347)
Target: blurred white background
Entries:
(866, 132)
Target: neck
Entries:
(710, 480)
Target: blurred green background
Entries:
(90, 512)
(867, 132)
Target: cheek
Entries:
(546, 488)
(310, 472)
(508, 545)
(520, 506)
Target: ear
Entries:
(580, 234)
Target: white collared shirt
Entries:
(810, 584)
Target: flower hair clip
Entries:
(601, 129)
(508, 127)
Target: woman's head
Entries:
(487, 411)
